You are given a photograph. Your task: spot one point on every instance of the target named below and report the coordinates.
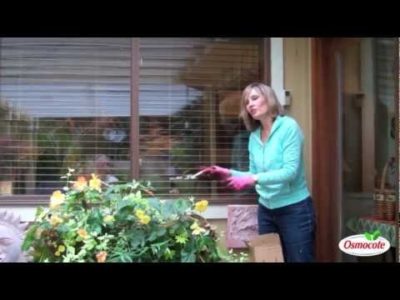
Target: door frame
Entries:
(326, 179)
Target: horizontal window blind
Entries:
(65, 102)
(385, 49)
(189, 104)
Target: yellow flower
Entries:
(101, 256)
(80, 184)
(145, 219)
(95, 183)
(201, 206)
(83, 233)
(139, 213)
(56, 199)
(55, 220)
(196, 229)
(60, 250)
(108, 219)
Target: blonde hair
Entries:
(274, 107)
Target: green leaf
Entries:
(39, 211)
(181, 206)
(155, 203)
(71, 250)
(175, 228)
(123, 204)
(125, 257)
(167, 209)
(376, 234)
(134, 185)
(188, 257)
(137, 238)
(92, 195)
(368, 236)
(29, 238)
(153, 236)
(161, 231)
(62, 228)
(95, 228)
(90, 245)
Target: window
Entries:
(189, 104)
(66, 102)
(367, 74)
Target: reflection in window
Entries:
(386, 81)
(369, 93)
(65, 103)
(189, 105)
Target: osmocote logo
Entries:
(367, 244)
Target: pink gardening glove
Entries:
(239, 183)
(216, 172)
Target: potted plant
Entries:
(93, 222)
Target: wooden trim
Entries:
(134, 136)
(325, 154)
(367, 88)
(266, 61)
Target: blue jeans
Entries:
(295, 225)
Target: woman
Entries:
(277, 172)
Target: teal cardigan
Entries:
(278, 163)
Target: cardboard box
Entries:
(265, 248)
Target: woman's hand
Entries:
(216, 172)
(239, 183)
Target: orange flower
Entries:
(101, 256)
(80, 184)
(95, 183)
(83, 233)
(56, 199)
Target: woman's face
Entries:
(257, 105)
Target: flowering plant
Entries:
(91, 221)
